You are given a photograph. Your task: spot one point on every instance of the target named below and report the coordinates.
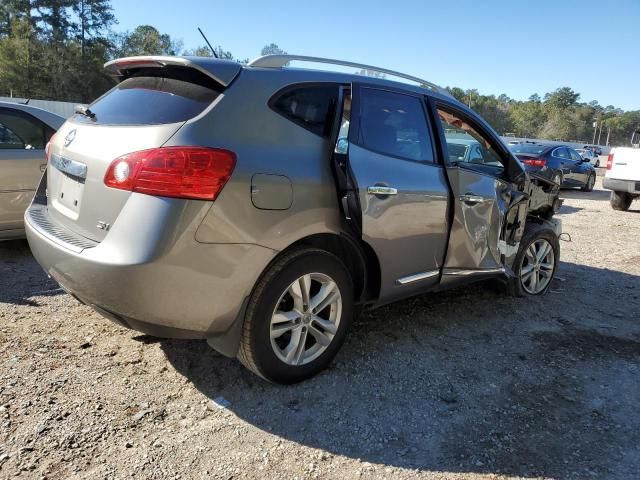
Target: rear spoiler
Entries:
(222, 71)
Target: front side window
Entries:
(19, 130)
(394, 124)
(311, 107)
(465, 143)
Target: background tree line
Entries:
(55, 50)
(557, 116)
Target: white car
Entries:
(623, 174)
(587, 154)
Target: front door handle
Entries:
(381, 190)
(472, 199)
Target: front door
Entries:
(399, 195)
(482, 199)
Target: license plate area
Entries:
(65, 193)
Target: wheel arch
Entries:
(358, 257)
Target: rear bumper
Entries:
(166, 285)
(629, 186)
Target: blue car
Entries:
(559, 163)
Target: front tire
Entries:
(620, 200)
(536, 263)
(297, 317)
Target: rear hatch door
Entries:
(151, 103)
(626, 164)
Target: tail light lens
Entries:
(535, 162)
(181, 172)
(47, 148)
(610, 161)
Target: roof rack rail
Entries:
(279, 61)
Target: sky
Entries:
(514, 47)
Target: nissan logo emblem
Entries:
(69, 138)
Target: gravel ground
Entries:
(461, 384)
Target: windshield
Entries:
(528, 148)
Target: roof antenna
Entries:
(205, 39)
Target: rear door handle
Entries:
(472, 199)
(43, 167)
(381, 190)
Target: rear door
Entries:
(22, 141)
(482, 199)
(625, 164)
(394, 193)
(566, 165)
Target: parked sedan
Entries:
(594, 149)
(558, 163)
(24, 132)
(464, 150)
(590, 156)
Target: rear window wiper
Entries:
(82, 110)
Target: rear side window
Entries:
(394, 124)
(19, 130)
(155, 96)
(311, 107)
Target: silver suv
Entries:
(254, 206)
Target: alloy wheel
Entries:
(537, 267)
(306, 319)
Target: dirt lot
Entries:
(463, 384)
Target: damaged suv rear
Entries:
(254, 206)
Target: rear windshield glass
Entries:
(154, 96)
(528, 148)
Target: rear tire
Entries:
(286, 339)
(537, 240)
(620, 200)
(557, 178)
(590, 183)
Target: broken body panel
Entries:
(461, 222)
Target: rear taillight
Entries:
(535, 162)
(610, 161)
(47, 148)
(181, 172)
